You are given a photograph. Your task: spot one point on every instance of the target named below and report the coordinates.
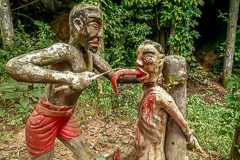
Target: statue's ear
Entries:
(78, 24)
(162, 58)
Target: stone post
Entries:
(175, 147)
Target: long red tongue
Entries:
(120, 73)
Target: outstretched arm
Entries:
(102, 66)
(29, 67)
(168, 104)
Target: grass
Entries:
(207, 121)
(204, 118)
(109, 105)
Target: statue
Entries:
(155, 106)
(70, 65)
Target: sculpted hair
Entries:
(155, 44)
(80, 11)
(161, 51)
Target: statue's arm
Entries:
(169, 105)
(102, 66)
(29, 67)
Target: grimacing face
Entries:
(90, 30)
(149, 62)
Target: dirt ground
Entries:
(102, 136)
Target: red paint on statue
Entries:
(147, 107)
(148, 60)
(42, 130)
(120, 73)
(138, 136)
(122, 76)
(116, 155)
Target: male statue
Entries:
(155, 105)
(69, 64)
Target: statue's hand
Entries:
(80, 81)
(193, 144)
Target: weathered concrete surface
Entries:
(175, 147)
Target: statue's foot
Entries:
(45, 156)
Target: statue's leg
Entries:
(41, 132)
(70, 134)
(78, 146)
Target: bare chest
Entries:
(150, 109)
(77, 64)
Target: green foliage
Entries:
(236, 62)
(124, 28)
(16, 98)
(109, 105)
(231, 116)
(24, 43)
(206, 120)
(181, 14)
(99, 157)
(197, 72)
(44, 34)
(173, 82)
(124, 31)
(237, 50)
(127, 23)
(223, 16)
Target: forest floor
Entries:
(103, 136)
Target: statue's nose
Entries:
(139, 62)
(100, 33)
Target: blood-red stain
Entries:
(148, 60)
(147, 107)
(116, 155)
(138, 136)
(122, 76)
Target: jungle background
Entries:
(195, 29)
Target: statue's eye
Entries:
(95, 26)
(148, 59)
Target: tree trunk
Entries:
(175, 147)
(172, 32)
(235, 155)
(6, 24)
(230, 40)
(162, 38)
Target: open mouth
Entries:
(94, 44)
(143, 75)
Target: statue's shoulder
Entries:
(62, 47)
(162, 94)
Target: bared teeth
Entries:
(142, 73)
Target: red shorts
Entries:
(42, 129)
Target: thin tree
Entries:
(230, 40)
(6, 24)
(235, 154)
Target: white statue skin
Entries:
(68, 64)
(155, 105)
